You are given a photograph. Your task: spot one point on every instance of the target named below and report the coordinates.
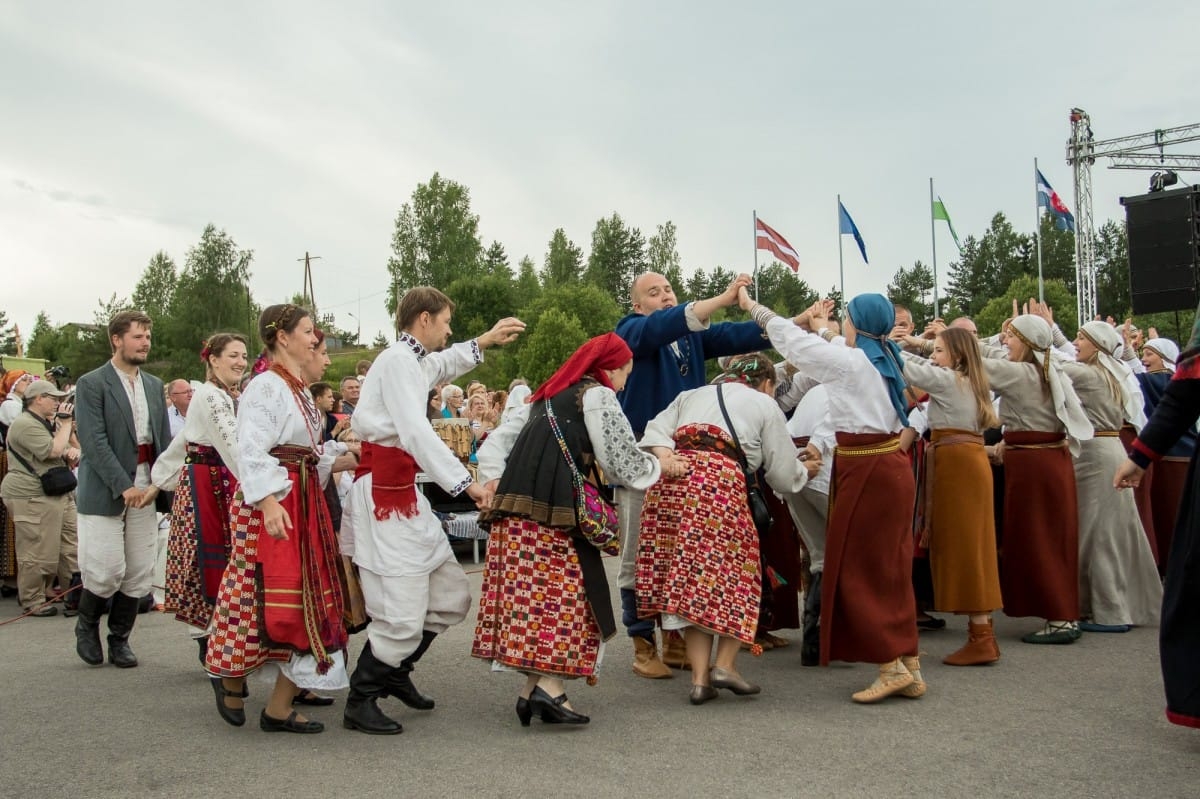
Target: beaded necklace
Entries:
(304, 401)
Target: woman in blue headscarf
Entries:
(867, 610)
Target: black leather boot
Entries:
(367, 684)
(400, 684)
(810, 643)
(120, 624)
(87, 628)
(71, 600)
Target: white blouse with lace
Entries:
(212, 422)
(268, 416)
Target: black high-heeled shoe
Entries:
(231, 715)
(524, 711)
(553, 710)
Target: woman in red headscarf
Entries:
(545, 607)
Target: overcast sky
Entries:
(302, 126)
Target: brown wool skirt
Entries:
(1166, 492)
(962, 546)
(867, 609)
(1039, 572)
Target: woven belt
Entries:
(886, 448)
(1106, 433)
(1048, 445)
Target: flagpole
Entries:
(933, 242)
(755, 212)
(841, 269)
(1037, 230)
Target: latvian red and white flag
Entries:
(769, 239)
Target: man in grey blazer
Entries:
(121, 418)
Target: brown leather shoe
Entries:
(980, 648)
(645, 660)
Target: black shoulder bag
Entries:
(56, 481)
(759, 512)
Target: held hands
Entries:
(744, 300)
(148, 495)
(483, 495)
(503, 332)
(1039, 309)
(132, 497)
(673, 465)
(733, 295)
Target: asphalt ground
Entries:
(1084, 720)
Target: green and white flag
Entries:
(940, 212)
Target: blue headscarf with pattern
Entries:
(874, 317)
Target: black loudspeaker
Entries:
(1164, 249)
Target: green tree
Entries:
(618, 255)
(1058, 254)
(495, 262)
(662, 255)
(1112, 270)
(988, 265)
(781, 290)
(839, 302)
(156, 287)
(86, 346)
(435, 241)
(556, 335)
(597, 311)
(8, 335)
(564, 261)
(45, 340)
(380, 341)
(989, 318)
(211, 295)
(696, 288)
(913, 288)
(479, 302)
(528, 286)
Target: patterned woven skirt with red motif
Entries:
(199, 542)
(698, 555)
(533, 611)
(279, 597)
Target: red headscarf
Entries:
(608, 351)
(10, 380)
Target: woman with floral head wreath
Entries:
(698, 562)
(867, 609)
(201, 467)
(280, 598)
(1119, 584)
(545, 609)
(1044, 426)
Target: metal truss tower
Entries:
(1140, 151)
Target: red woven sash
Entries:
(393, 479)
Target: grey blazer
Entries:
(107, 439)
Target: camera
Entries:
(59, 371)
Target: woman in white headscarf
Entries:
(1119, 584)
(1043, 426)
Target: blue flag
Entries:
(846, 225)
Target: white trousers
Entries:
(402, 608)
(117, 553)
(809, 510)
(629, 521)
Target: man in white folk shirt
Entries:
(412, 584)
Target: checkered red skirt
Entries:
(533, 612)
(698, 554)
(199, 542)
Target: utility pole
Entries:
(310, 296)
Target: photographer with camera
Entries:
(38, 491)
